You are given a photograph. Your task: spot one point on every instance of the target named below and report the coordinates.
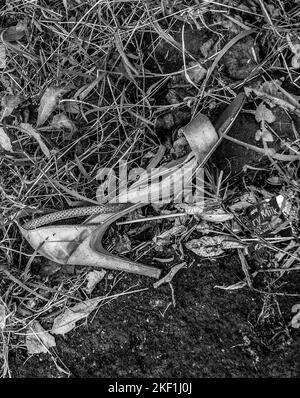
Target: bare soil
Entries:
(210, 333)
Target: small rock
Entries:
(239, 61)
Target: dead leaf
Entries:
(240, 206)
(123, 244)
(9, 102)
(206, 47)
(84, 91)
(195, 208)
(271, 87)
(212, 246)
(196, 72)
(203, 227)
(66, 321)
(205, 247)
(71, 106)
(165, 237)
(62, 121)
(48, 103)
(263, 114)
(5, 140)
(14, 33)
(207, 211)
(235, 286)
(275, 180)
(38, 340)
(93, 278)
(28, 129)
(264, 135)
(295, 62)
(246, 200)
(216, 215)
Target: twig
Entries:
(153, 218)
(168, 278)
(19, 283)
(245, 267)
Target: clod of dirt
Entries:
(123, 244)
(195, 43)
(180, 147)
(165, 122)
(49, 268)
(239, 61)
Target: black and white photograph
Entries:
(149, 192)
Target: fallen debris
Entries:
(212, 246)
(38, 340)
(66, 321)
(93, 278)
(169, 277)
(49, 102)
